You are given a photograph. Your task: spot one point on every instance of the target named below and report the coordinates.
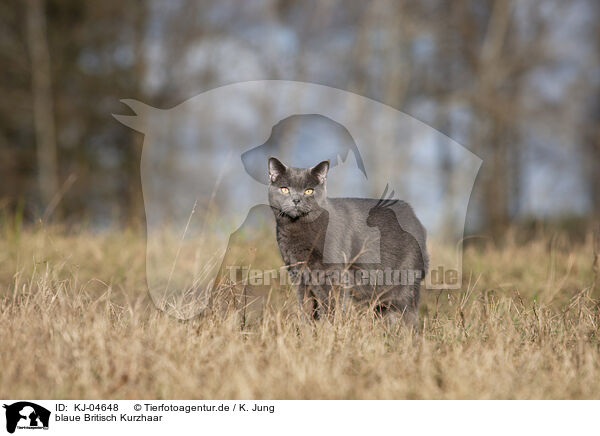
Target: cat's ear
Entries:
(276, 169)
(320, 171)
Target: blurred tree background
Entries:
(516, 82)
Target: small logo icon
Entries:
(26, 415)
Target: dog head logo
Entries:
(204, 167)
(26, 415)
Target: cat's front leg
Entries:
(314, 308)
(302, 292)
(322, 301)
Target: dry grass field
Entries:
(76, 322)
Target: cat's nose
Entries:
(295, 200)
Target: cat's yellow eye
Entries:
(285, 190)
(308, 191)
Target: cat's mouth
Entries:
(297, 215)
(292, 214)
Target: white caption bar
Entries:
(23, 417)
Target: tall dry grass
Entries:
(76, 322)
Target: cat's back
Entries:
(356, 213)
(356, 209)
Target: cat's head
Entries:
(296, 192)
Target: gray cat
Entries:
(374, 250)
